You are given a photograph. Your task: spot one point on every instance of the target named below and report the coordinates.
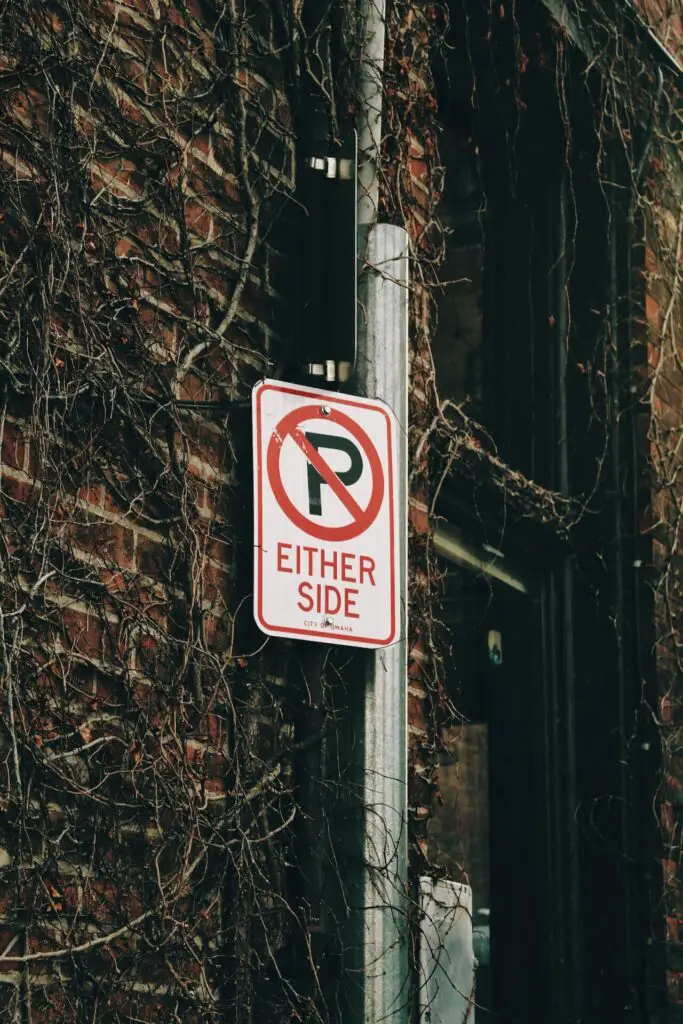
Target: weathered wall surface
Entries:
(411, 192)
(145, 157)
(148, 254)
(147, 259)
(664, 325)
(662, 419)
(665, 17)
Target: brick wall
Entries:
(410, 195)
(149, 253)
(146, 158)
(662, 410)
(666, 20)
(663, 322)
(148, 261)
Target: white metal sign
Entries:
(326, 564)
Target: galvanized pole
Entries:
(382, 372)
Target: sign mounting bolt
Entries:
(324, 410)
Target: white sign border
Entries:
(259, 469)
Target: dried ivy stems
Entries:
(150, 828)
(149, 804)
(144, 157)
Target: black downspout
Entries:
(312, 186)
(326, 193)
(307, 671)
(326, 189)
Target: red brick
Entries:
(666, 818)
(217, 634)
(216, 730)
(18, 490)
(219, 550)
(91, 494)
(415, 670)
(670, 873)
(154, 557)
(198, 219)
(419, 519)
(193, 389)
(666, 710)
(674, 986)
(216, 584)
(13, 452)
(86, 633)
(112, 542)
(652, 311)
(420, 170)
(416, 712)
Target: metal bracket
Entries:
(332, 166)
(332, 371)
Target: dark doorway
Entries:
(490, 831)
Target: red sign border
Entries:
(274, 451)
(354, 403)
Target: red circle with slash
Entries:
(363, 518)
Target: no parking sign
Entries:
(325, 516)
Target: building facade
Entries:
(471, 211)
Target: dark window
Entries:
(542, 811)
(526, 236)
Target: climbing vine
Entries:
(152, 743)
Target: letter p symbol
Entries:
(347, 477)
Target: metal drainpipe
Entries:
(382, 372)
